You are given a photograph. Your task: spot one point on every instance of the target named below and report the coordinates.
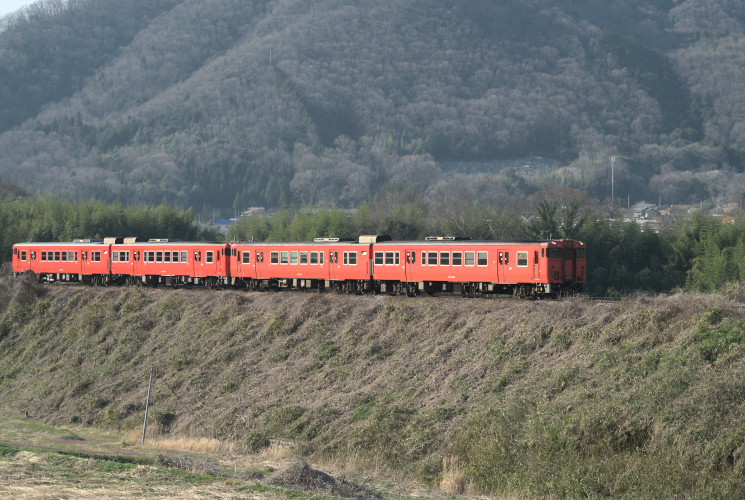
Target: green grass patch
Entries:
(714, 343)
(8, 450)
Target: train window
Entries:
(114, 256)
(23, 255)
(209, 257)
(64, 256)
(150, 256)
(554, 253)
(507, 258)
(483, 258)
(76, 256)
(335, 258)
(246, 257)
(535, 257)
(174, 257)
(284, 257)
(470, 258)
(293, 257)
(159, 256)
(522, 259)
(33, 254)
(457, 258)
(424, 258)
(444, 258)
(431, 258)
(543, 252)
(197, 256)
(350, 258)
(184, 256)
(96, 257)
(389, 258)
(413, 257)
(379, 258)
(320, 258)
(56, 257)
(43, 256)
(581, 253)
(166, 256)
(314, 257)
(303, 257)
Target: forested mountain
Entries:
(230, 103)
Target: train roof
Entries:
(139, 243)
(445, 242)
(297, 243)
(61, 243)
(559, 242)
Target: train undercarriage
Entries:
(466, 289)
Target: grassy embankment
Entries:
(641, 398)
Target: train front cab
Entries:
(567, 267)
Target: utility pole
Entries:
(612, 187)
(147, 405)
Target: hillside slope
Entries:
(229, 104)
(642, 398)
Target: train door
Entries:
(257, 263)
(503, 265)
(537, 265)
(568, 264)
(410, 262)
(333, 263)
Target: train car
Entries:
(85, 261)
(164, 262)
(525, 269)
(325, 263)
(372, 264)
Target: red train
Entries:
(371, 264)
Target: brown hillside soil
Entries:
(562, 398)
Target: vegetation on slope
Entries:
(641, 398)
(230, 104)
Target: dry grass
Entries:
(194, 444)
(453, 480)
(280, 451)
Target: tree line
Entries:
(704, 253)
(53, 219)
